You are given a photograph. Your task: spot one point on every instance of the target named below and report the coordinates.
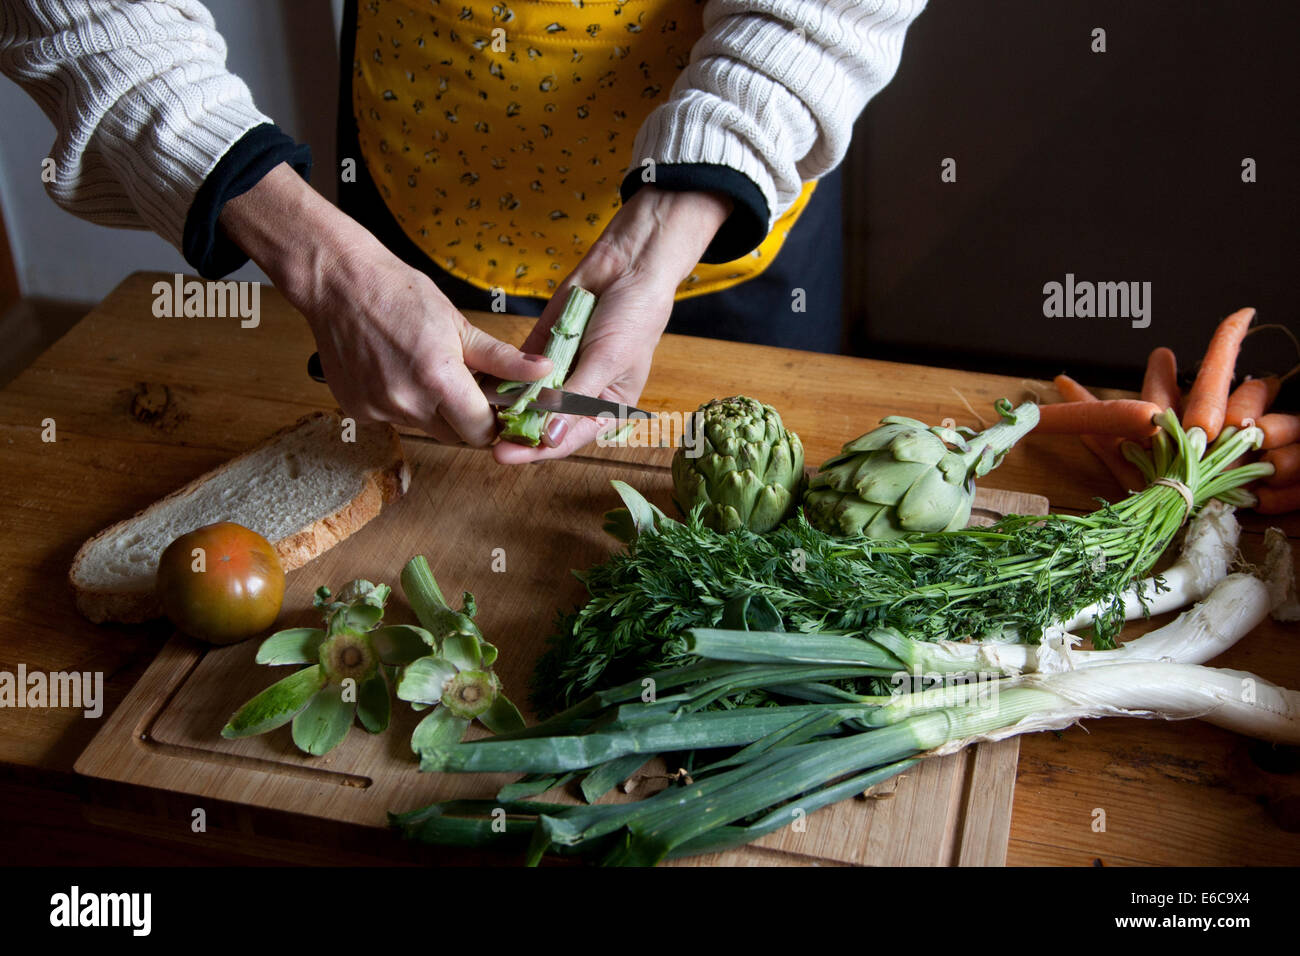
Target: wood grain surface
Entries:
(1177, 793)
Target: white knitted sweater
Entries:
(144, 107)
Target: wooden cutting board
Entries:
(510, 536)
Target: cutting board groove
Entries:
(461, 506)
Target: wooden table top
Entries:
(141, 405)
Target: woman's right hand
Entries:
(392, 346)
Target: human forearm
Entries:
(392, 346)
(301, 241)
(662, 234)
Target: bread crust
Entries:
(381, 486)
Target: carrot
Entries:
(1207, 401)
(1286, 465)
(1278, 427)
(1124, 417)
(1160, 385)
(1071, 390)
(1278, 501)
(1104, 448)
(1251, 399)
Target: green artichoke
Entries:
(907, 476)
(741, 464)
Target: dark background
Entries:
(1115, 166)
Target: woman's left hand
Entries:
(651, 245)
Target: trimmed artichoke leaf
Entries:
(618, 524)
(374, 705)
(424, 679)
(365, 592)
(324, 722)
(401, 643)
(277, 705)
(462, 650)
(438, 731)
(362, 617)
(502, 717)
(296, 645)
(645, 516)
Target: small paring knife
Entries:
(547, 400)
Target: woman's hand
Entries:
(651, 245)
(392, 346)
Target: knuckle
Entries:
(610, 255)
(438, 378)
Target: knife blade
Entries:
(563, 403)
(547, 400)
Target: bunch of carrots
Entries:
(1116, 430)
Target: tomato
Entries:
(221, 583)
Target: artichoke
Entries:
(742, 465)
(907, 476)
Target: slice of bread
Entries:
(304, 489)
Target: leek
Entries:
(772, 761)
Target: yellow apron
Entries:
(499, 134)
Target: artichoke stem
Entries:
(523, 425)
(1000, 438)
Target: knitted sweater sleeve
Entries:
(770, 95)
(141, 101)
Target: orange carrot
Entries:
(1278, 427)
(1124, 417)
(1251, 399)
(1104, 448)
(1286, 465)
(1278, 501)
(1207, 402)
(1160, 385)
(1071, 390)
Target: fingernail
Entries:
(556, 431)
(535, 359)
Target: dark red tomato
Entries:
(221, 583)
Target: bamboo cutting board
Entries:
(509, 536)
